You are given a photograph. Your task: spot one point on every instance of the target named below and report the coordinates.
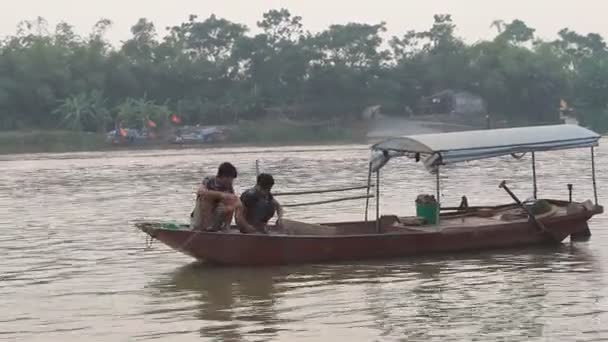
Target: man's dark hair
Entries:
(226, 170)
(265, 181)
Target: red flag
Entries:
(176, 119)
(151, 124)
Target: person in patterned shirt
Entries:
(215, 201)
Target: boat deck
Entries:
(458, 221)
(394, 224)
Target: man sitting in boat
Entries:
(258, 206)
(215, 200)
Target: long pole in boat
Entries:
(437, 186)
(378, 201)
(593, 174)
(325, 201)
(257, 167)
(534, 175)
(369, 181)
(537, 223)
(323, 191)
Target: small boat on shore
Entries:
(463, 228)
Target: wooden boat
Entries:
(388, 236)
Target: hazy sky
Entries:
(473, 17)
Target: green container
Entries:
(171, 226)
(428, 211)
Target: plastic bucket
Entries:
(428, 211)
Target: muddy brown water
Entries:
(74, 268)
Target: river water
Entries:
(75, 269)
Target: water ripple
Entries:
(74, 267)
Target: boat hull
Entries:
(279, 249)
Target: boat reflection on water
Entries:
(230, 301)
(417, 298)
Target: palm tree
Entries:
(84, 112)
(99, 114)
(72, 110)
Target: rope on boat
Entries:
(188, 240)
(149, 240)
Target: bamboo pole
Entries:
(378, 201)
(534, 175)
(320, 191)
(593, 174)
(369, 185)
(326, 201)
(438, 185)
(472, 208)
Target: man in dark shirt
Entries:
(258, 206)
(215, 200)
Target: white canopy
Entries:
(455, 147)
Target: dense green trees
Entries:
(216, 71)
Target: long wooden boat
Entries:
(389, 236)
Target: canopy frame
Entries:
(477, 145)
(534, 176)
(456, 147)
(593, 174)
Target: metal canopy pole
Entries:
(378, 201)
(593, 174)
(369, 183)
(438, 194)
(534, 175)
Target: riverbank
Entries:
(55, 141)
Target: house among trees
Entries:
(453, 102)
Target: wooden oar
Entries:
(541, 227)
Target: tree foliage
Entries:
(213, 71)
(85, 111)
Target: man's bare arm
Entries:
(241, 221)
(278, 208)
(205, 193)
(280, 212)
